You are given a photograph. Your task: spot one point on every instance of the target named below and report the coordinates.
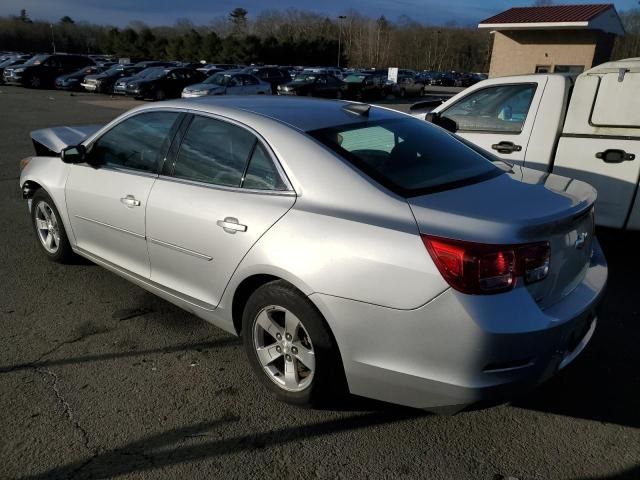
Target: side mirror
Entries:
(75, 154)
(444, 122)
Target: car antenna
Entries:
(358, 108)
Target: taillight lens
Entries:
(485, 268)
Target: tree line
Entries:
(290, 37)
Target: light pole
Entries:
(53, 40)
(340, 18)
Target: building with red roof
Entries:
(555, 38)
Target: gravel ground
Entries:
(99, 379)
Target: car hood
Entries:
(52, 140)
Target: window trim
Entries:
(172, 155)
(500, 132)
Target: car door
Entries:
(498, 118)
(234, 86)
(250, 84)
(205, 212)
(106, 200)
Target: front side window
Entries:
(408, 156)
(136, 143)
(214, 152)
(500, 109)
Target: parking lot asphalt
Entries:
(99, 379)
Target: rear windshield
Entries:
(407, 155)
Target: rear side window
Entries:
(408, 156)
(262, 173)
(500, 109)
(214, 152)
(617, 102)
(136, 143)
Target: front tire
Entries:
(160, 95)
(34, 82)
(289, 346)
(49, 228)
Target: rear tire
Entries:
(290, 347)
(160, 95)
(49, 229)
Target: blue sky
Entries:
(166, 12)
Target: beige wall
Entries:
(518, 52)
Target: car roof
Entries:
(302, 113)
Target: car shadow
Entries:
(192, 443)
(603, 384)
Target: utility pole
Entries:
(340, 18)
(53, 40)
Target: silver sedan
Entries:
(355, 249)
(228, 83)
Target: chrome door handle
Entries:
(130, 201)
(231, 225)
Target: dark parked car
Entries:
(426, 77)
(41, 70)
(468, 79)
(120, 85)
(444, 80)
(164, 83)
(313, 85)
(103, 82)
(72, 81)
(366, 85)
(272, 75)
(154, 63)
(408, 86)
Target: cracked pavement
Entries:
(99, 379)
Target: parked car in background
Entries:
(426, 77)
(10, 62)
(73, 81)
(218, 66)
(272, 75)
(41, 71)
(352, 247)
(587, 129)
(360, 86)
(228, 83)
(467, 79)
(314, 85)
(154, 63)
(336, 72)
(120, 85)
(408, 86)
(444, 80)
(103, 82)
(163, 83)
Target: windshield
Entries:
(221, 79)
(305, 78)
(355, 78)
(37, 60)
(10, 61)
(151, 73)
(408, 156)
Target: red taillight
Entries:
(481, 268)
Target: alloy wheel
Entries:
(283, 348)
(47, 227)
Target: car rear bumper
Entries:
(459, 350)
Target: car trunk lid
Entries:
(522, 206)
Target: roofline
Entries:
(535, 25)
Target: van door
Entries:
(498, 118)
(605, 151)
